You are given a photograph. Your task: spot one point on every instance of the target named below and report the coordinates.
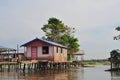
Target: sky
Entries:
(94, 21)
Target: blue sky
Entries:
(94, 20)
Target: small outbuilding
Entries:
(40, 49)
(79, 55)
(7, 54)
(6, 49)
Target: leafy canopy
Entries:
(70, 42)
(54, 30)
(115, 55)
(57, 32)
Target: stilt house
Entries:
(79, 55)
(40, 49)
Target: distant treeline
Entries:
(97, 62)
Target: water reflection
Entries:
(43, 75)
(53, 75)
(115, 75)
(87, 73)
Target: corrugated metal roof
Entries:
(44, 41)
(80, 52)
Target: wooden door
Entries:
(33, 52)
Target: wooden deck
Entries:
(8, 63)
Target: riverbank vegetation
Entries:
(96, 62)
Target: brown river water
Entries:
(86, 73)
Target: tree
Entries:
(57, 32)
(114, 55)
(117, 37)
(117, 28)
(70, 42)
(115, 58)
(54, 30)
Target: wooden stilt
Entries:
(24, 67)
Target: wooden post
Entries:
(111, 62)
(24, 67)
(28, 66)
(65, 65)
(8, 67)
(50, 65)
(1, 67)
(20, 65)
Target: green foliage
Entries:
(96, 62)
(54, 30)
(117, 28)
(92, 63)
(70, 42)
(57, 32)
(71, 57)
(115, 56)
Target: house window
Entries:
(61, 50)
(56, 49)
(45, 49)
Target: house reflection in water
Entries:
(53, 75)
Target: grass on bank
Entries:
(98, 62)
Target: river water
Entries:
(86, 73)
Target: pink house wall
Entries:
(34, 51)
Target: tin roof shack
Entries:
(78, 58)
(14, 57)
(6, 49)
(6, 53)
(40, 49)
